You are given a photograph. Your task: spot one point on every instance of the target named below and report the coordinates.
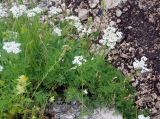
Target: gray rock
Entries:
(65, 107)
(67, 116)
(158, 87)
(93, 3)
(56, 108)
(113, 3)
(118, 20)
(83, 14)
(157, 105)
(118, 12)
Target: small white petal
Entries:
(12, 47)
(58, 31)
(85, 91)
(1, 68)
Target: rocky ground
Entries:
(139, 20)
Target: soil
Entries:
(140, 24)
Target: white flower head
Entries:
(74, 18)
(110, 37)
(54, 11)
(1, 68)
(3, 11)
(85, 91)
(78, 60)
(18, 10)
(37, 10)
(33, 12)
(58, 31)
(12, 47)
(78, 26)
(75, 21)
(142, 117)
(141, 65)
(102, 41)
(86, 31)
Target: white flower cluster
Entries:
(54, 11)
(1, 68)
(142, 117)
(3, 11)
(12, 47)
(33, 12)
(18, 10)
(78, 60)
(111, 37)
(78, 25)
(58, 31)
(141, 65)
(74, 18)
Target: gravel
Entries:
(140, 23)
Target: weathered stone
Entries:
(113, 3)
(83, 14)
(157, 105)
(123, 55)
(118, 12)
(158, 86)
(93, 3)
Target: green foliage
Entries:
(46, 59)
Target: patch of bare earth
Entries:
(139, 20)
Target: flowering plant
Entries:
(44, 57)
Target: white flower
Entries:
(78, 25)
(141, 65)
(18, 11)
(33, 12)
(142, 117)
(3, 11)
(58, 31)
(111, 37)
(1, 68)
(53, 11)
(37, 10)
(76, 22)
(74, 18)
(12, 47)
(78, 60)
(86, 31)
(92, 58)
(102, 41)
(85, 91)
